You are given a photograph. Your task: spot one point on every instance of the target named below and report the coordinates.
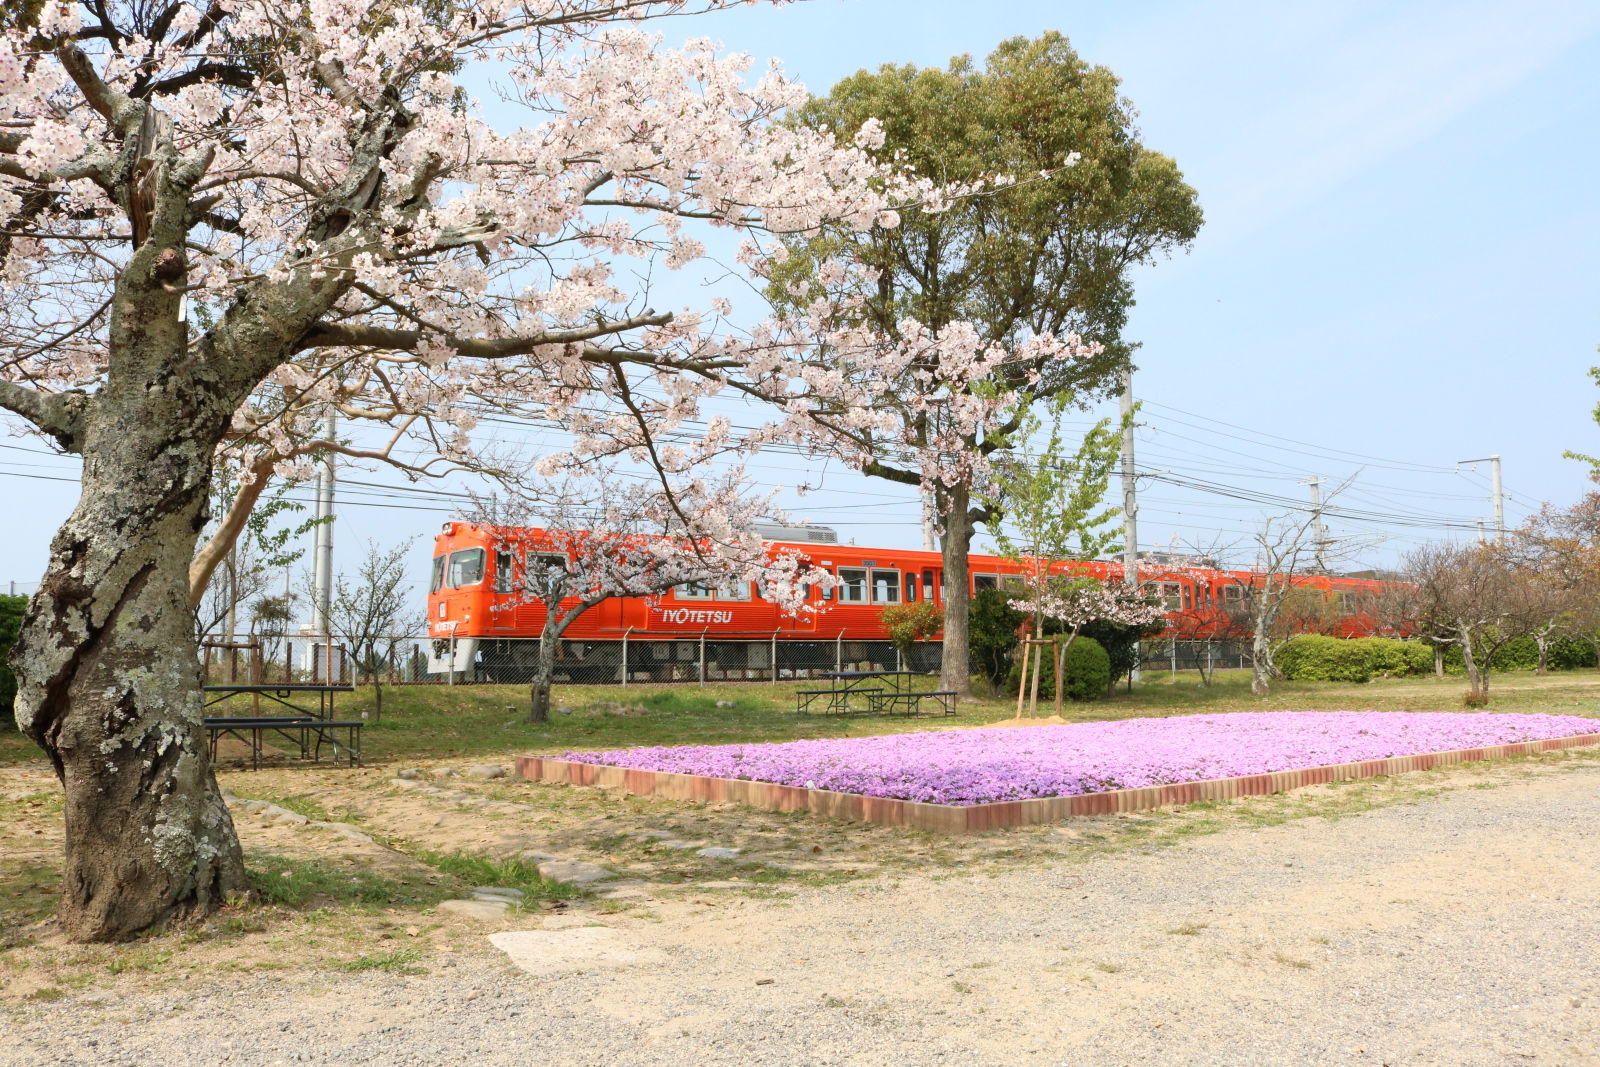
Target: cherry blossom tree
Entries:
(575, 544)
(225, 221)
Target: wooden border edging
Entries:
(956, 819)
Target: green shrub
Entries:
(1087, 669)
(1121, 643)
(11, 609)
(1313, 658)
(992, 633)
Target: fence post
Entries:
(838, 653)
(773, 666)
(703, 656)
(625, 656)
(1174, 651)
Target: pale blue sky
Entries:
(1399, 260)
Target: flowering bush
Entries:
(984, 766)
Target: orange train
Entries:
(480, 630)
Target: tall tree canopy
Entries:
(1068, 201)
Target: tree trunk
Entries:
(1476, 682)
(1438, 661)
(1259, 650)
(108, 672)
(545, 669)
(1543, 641)
(955, 670)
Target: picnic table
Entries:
(280, 693)
(871, 692)
(309, 729)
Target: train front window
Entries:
(438, 574)
(466, 567)
(854, 589)
(502, 572)
(885, 587)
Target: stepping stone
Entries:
(344, 829)
(574, 871)
(715, 853)
(409, 773)
(625, 893)
(569, 922)
(493, 893)
(486, 910)
(679, 844)
(487, 771)
(552, 951)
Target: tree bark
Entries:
(955, 668)
(108, 671)
(1543, 641)
(544, 670)
(1438, 661)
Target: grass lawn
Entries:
(443, 722)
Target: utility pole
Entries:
(1130, 503)
(1497, 496)
(322, 554)
(928, 544)
(1319, 532)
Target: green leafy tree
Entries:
(995, 625)
(11, 609)
(909, 623)
(1050, 253)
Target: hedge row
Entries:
(1311, 658)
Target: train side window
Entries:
(826, 591)
(691, 591)
(928, 580)
(737, 591)
(911, 587)
(466, 567)
(985, 581)
(502, 572)
(1232, 593)
(1013, 583)
(885, 587)
(1172, 596)
(854, 589)
(438, 574)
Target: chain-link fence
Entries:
(302, 659)
(1178, 655)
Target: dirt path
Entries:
(1456, 930)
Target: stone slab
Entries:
(545, 952)
(484, 910)
(574, 871)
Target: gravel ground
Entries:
(1456, 931)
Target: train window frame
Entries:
(437, 582)
(852, 589)
(889, 583)
(734, 592)
(1013, 583)
(910, 592)
(458, 560)
(691, 591)
(1232, 592)
(503, 567)
(984, 581)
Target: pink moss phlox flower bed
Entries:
(984, 766)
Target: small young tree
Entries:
(1274, 602)
(372, 611)
(1475, 600)
(909, 623)
(1051, 502)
